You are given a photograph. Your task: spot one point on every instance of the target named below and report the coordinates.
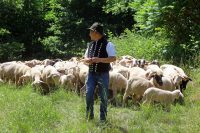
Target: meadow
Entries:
(23, 110)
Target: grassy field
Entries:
(22, 110)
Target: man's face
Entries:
(92, 35)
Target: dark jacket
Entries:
(98, 49)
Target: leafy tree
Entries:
(177, 19)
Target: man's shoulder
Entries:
(110, 43)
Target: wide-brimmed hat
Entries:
(98, 27)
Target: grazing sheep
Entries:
(50, 76)
(136, 88)
(82, 78)
(185, 78)
(7, 71)
(173, 75)
(155, 68)
(137, 72)
(166, 83)
(162, 96)
(19, 71)
(33, 63)
(47, 62)
(117, 83)
(121, 69)
(67, 81)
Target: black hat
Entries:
(98, 27)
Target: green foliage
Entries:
(15, 51)
(175, 18)
(139, 46)
(7, 43)
(147, 14)
(116, 6)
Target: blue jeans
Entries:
(102, 80)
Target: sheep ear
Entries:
(189, 79)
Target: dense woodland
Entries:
(57, 28)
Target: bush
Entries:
(139, 46)
(11, 51)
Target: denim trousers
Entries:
(102, 80)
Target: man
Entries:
(98, 56)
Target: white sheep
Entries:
(121, 69)
(117, 83)
(51, 76)
(67, 81)
(185, 78)
(136, 88)
(164, 97)
(167, 83)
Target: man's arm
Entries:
(103, 60)
(87, 61)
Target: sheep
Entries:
(67, 81)
(136, 88)
(51, 76)
(122, 70)
(19, 71)
(7, 71)
(33, 63)
(128, 61)
(117, 83)
(155, 68)
(47, 62)
(141, 63)
(173, 75)
(164, 97)
(12, 71)
(138, 72)
(82, 78)
(185, 78)
(33, 75)
(167, 83)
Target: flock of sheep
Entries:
(136, 78)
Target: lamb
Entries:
(136, 88)
(164, 97)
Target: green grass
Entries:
(22, 110)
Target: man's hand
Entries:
(87, 60)
(96, 60)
